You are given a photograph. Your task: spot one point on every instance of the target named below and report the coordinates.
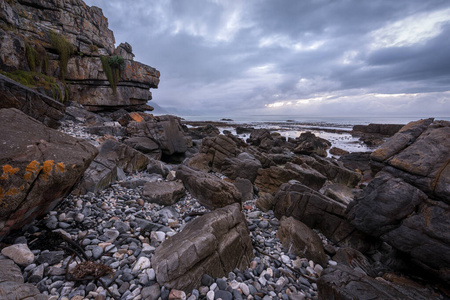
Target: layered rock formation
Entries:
(36, 105)
(39, 168)
(407, 203)
(28, 33)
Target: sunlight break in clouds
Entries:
(411, 30)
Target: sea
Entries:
(337, 130)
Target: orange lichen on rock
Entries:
(47, 167)
(8, 170)
(32, 168)
(2, 193)
(60, 167)
(12, 191)
(136, 117)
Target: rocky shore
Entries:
(100, 200)
(134, 226)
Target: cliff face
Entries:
(29, 35)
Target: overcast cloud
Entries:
(308, 57)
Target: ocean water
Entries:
(294, 126)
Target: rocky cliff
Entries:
(65, 50)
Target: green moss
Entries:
(37, 80)
(111, 67)
(64, 48)
(31, 55)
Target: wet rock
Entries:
(214, 244)
(210, 190)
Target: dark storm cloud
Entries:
(288, 56)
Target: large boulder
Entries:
(344, 283)
(210, 190)
(34, 104)
(407, 203)
(40, 166)
(218, 149)
(12, 285)
(300, 240)
(213, 244)
(165, 131)
(114, 159)
(318, 212)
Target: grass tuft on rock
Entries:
(111, 67)
(64, 48)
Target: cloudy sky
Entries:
(296, 57)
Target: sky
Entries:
(291, 57)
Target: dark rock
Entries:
(241, 130)
(244, 166)
(40, 167)
(213, 152)
(339, 192)
(269, 180)
(166, 131)
(145, 145)
(308, 143)
(207, 280)
(343, 283)
(224, 295)
(318, 212)
(245, 187)
(157, 167)
(356, 161)
(215, 244)
(210, 190)
(338, 151)
(103, 170)
(164, 192)
(300, 240)
(35, 105)
(258, 135)
(381, 129)
(407, 203)
(330, 168)
(307, 175)
(265, 201)
(199, 133)
(354, 259)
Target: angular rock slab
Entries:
(114, 157)
(300, 240)
(12, 286)
(343, 283)
(39, 167)
(212, 244)
(210, 190)
(36, 105)
(164, 192)
(317, 212)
